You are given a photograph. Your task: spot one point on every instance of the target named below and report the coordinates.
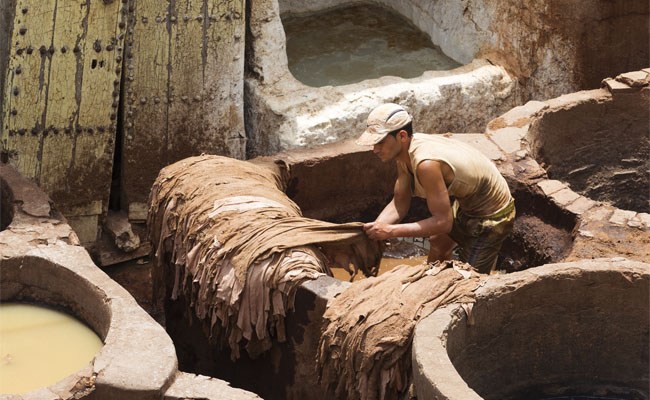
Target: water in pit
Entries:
(348, 45)
(385, 265)
(404, 251)
(40, 346)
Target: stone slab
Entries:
(138, 211)
(92, 208)
(509, 138)
(551, 186)
(621, 217)
(634, 78)
(86, 227)
(602, 213)
(482, 143)
(615, 86)
(198, 387)
(565, 197)
(581, 205)
(641, 221)
(519, 116)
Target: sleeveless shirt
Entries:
(478, 186)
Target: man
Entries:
(469, 201)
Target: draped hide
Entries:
(365, 348)
(237, 247)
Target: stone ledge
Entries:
(198, 387)
(641, 221)
(551, 186)
(581, 205)
(616, 87)
(508, 138)
(565, 197)
(519, 116)
(621, 217)
(482, 143)
(635, 78)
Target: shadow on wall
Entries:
(6, 205)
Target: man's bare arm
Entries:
(396, 210)
(441, 220)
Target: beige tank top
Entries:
(478, 185)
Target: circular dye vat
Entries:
(347, 45)
(599, 146)
(40, 346)
(565, 331)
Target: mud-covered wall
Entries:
(558, 46)
(183, 89)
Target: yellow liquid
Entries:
(40, 346)
(386, 264)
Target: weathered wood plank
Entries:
(198, 52)
(97, 91)
(27, 85)
(61, 106)
(224, 48)
(100, 67)
(186, 131)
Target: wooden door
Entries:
(60, 101)
(183, 89)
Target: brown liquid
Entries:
(386, 264)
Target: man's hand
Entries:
(378, 230)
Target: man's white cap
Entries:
(382, 120)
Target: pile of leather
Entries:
(365, 348)
(237, 247)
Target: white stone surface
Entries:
(517, 114)
(565, 197)
(581, 205)
(509, 138)
(551, 186)
(620, 217)
(439, 102)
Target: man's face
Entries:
(388, 149)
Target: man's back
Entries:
(477, 185)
